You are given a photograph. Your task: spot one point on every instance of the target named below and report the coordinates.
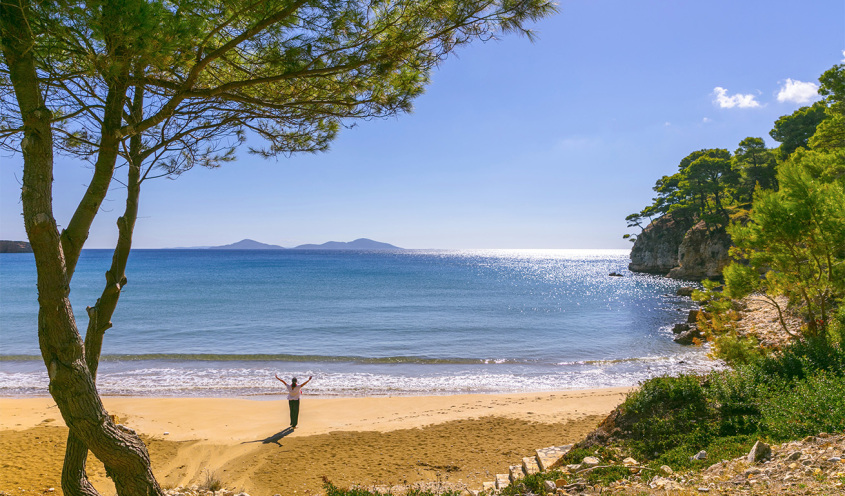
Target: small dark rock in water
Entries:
(615, 274)
(689, 337)
(679, 328)
(692, 317)
(684, 291)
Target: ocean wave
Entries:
(332, 379)
(226, 357)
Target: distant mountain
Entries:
(247, 244)
(15, 247)
(361, 244)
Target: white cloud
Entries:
(798, 92)
(738, 100)
(843, 56)
(705, 120)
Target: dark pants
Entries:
(294, 412)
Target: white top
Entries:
(294, 392)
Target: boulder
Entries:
(692, 316)
(685, 291)
(690, 336)
(550, 486)
(701, 455)
(759, 452)
(680, 328)
(590, 461)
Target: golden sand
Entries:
(461, 438)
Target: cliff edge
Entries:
(15, 247)
(680, 251)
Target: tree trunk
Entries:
(74, 477)
(124, 455)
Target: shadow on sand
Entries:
(275, 438)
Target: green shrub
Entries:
(718, 448)
(668, 412)
(735, 350)
(735, 395)
(534, 483)
(812, 405)
(606, 475)
(804, 357)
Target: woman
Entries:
(294, 391)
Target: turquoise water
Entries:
(221, 323)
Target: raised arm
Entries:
(283, 381)
(306, 382)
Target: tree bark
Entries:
(122, 452)
(74, 477)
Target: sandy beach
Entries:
(369, 441)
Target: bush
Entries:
(812, 405)
(735, 395)
(211, 482)
(719, 448)
(804, 357)
(794, 393)
(668, 412)
(534, 483)
(734, 349)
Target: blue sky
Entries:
(514, 145)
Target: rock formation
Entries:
(15, 247)
(703, 254)
(670, 247)
(656, 248)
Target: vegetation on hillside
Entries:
(784, 209)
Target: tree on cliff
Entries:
(160, 87)
(701, 189)
(756, 166)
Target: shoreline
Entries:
(366, 440)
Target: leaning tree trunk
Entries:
(74, 476)
(122, 452)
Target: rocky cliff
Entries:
(14, 247)
(656, 248)
(671, 248)
(703, 254)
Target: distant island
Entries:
(15, 247)
(360, 244)
(247, 244)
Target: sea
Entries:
(221, 323)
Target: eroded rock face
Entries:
(702, 254)
(656, 248)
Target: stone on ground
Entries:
(548, 456)
(502, 481)
(759, 452)
(530, 466)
